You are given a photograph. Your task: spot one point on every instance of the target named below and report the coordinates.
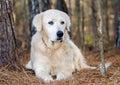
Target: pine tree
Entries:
(8, 53)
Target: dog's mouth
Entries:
(58, 40)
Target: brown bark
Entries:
(94, 22)
(8, 52)
(117, 25)
(77, 5)
(61, 5)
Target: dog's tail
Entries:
(108, 64)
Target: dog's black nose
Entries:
(59, 34)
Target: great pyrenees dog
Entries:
(53, 53)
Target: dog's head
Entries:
(55, 23)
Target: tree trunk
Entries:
(117, 26)
(106, 19)
(115, 9)
(94, 21)
(82, 24)
(70, 14)
(70, 10)
(8, 53)
(77, 4)
(102, 66)
(61, 5)
(37, 6)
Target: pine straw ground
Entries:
(10, 76)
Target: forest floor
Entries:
(84, 77)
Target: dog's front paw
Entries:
(28, 65)
(60, 76)
(48, 79)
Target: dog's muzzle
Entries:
(59, 35)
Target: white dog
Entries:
(52, 51)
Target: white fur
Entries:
(52, 57)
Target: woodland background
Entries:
(95, 30)
(84, 30)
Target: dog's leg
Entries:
(40, 72)
(43, 73)
(63, 75)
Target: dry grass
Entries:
(11, 76)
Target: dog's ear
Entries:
(37, 21)
(68, 23)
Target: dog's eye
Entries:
(62, 22)
(51, 22)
